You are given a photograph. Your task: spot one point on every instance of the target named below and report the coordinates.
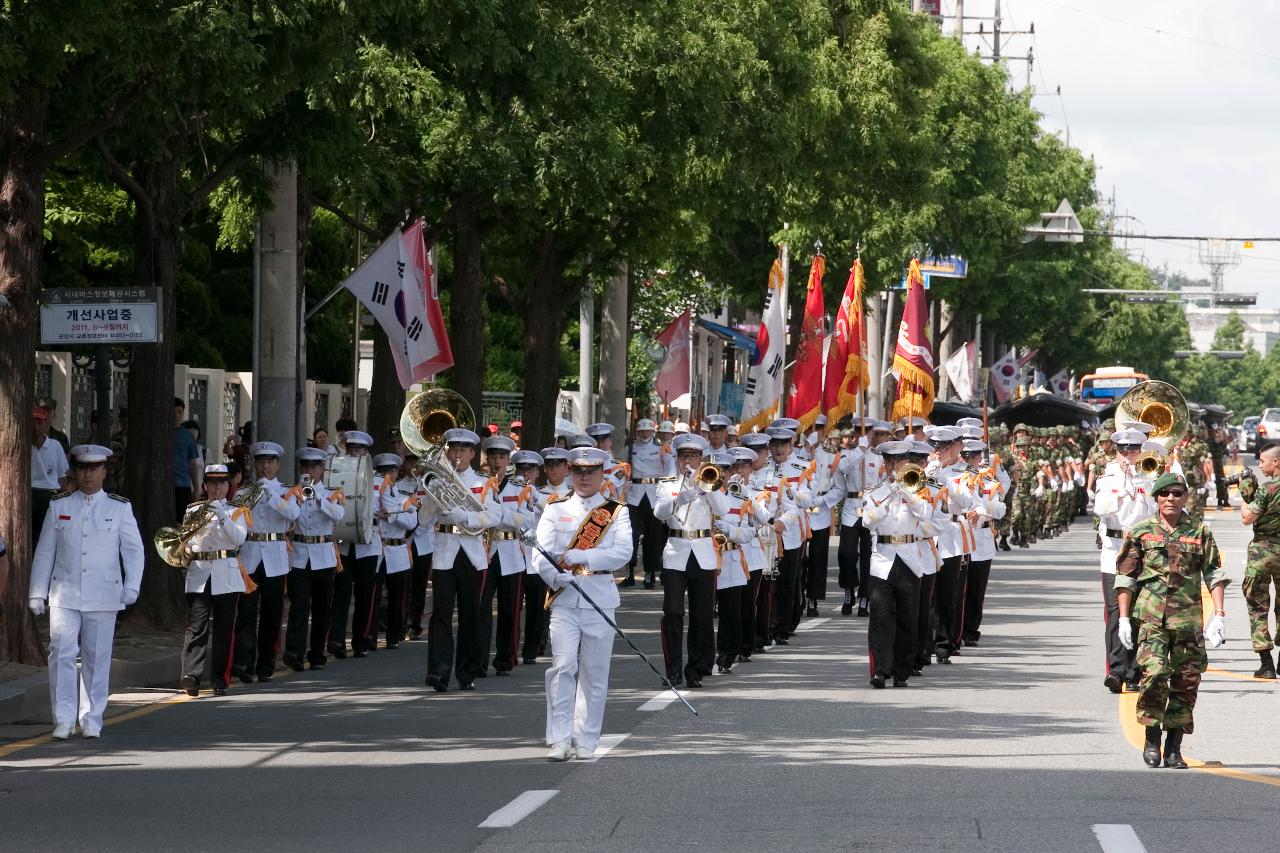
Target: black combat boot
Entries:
(1268, 668)
(1151, 751)
(1173, 750)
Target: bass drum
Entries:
(354, 475)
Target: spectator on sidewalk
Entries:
(48, 469)
(87, 567)
(55, 433)
(186, 461)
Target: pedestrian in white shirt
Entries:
(87, 568)
(48, 469)
(591, 536)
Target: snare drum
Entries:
(354, 475)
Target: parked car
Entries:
(1249, 434)
(1269, 426)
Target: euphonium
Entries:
(172, 543)
(423, 423)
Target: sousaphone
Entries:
(1158, 404)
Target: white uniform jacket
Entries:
(617, 481)
(740, 533)
(789, 496)
(955, 536)
(450, 539)
(989, 504)
(315, 521)
(859, 471)
(271, 517)
(221, 537)
(518, 513)
(650, 462)
(84, 543)
(752, 516)
(1120, 501)
(823, 494)
(556, 529)
(689, 514)
(890, 512)
(424, 535)
(400, 518)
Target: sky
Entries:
(1177, 101)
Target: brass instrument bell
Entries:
(1159, 404)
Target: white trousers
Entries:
(87, 634)
(578, 678)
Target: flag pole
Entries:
(786, 323)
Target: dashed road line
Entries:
(518, 809)
(1117, 838)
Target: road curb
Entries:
(27, 699)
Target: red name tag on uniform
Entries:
(566, 518)
(1152, 537)
(475, 490)
(510, 499)
(64, 518)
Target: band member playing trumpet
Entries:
(895, 513)
(651, 462)
(732, 533)
(397, 518)
(689, 507)
(594, 536)
(313, 562)
(507, 566)
(215, 580)
(265, 556)
(785, 478)
(1123, 498)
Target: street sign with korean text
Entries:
(952, 266)
(100, 315)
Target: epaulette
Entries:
(115, 497)
(555, 499)
(61, 495)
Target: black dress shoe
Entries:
(219, 691)
(529, 661)
(812, 611)
(944, 659)
(338, 651)
(264, 678)
(863, 611)
(744, 658)
(501, 672)
(693, 683)
(391, 645)
(436, 683)
(877, 681)
(1112, 683)
(723, 670)
(359, 653)
(846, 609)
(1151, 749)
(1132, 685)
(1023, 544)
(758, 650)
(1173, 750)
(676, 680)
(467, 685)
(415, 634)
(190, 685)
(242, 674)
(781, 641)
(971, 642)
(648, 581)
(899, 682)
(293, 662)
(629, 580)
(317, 664)
(917, 671)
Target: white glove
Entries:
(724, 527)
(811, 439)
(1206, 488)
(523, 520)
(36, 605)
(575, 557)
(454, 516)
(130, 596)
(1126, 633)
(1216, 633)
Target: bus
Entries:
(1106, 385)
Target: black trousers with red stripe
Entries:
(701, 588)
(210, 614)
(854, 557)
(747, 603)
(975, 596)
(729, 624)
(789, 597)
(924, 619)
(509, 592)
(420, 577)
(258, 619)
(766, 601)
(891, 629)
(816, 558)
(364, 579)
(537, 618)
(949, 606)
(397, 587)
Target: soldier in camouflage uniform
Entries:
(1192, 456)
(1260, 506)
(1023, 472)
(1161, 565)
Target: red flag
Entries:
(415, 250)
(913, 360)
(805, 399)
(846, 367)
(673, 378)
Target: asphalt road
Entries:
(1017, 747)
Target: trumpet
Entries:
(1149, 463)
(736, 488)
(910, 478)
(708, 478)
(307, 482)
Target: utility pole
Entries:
(995, 43)
(960, 21)
(274, 386)
(586, 340)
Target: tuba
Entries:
(172, 543)
(423, 423)
(1159, 404)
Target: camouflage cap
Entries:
(1022, 428)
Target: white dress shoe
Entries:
(61, 732)
(560, 752)
(91, 733)
(585, 754)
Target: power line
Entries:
(1163, 32)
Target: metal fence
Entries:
(501, 408)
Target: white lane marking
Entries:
(812, 623)
(659, 701)
(518, 809)
(605, 746)
(1117, 838)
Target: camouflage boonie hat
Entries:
(1022, 428)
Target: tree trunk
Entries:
(22, 130)
(305, 405)
(149, 460)
(466, 308)
(545, 314)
